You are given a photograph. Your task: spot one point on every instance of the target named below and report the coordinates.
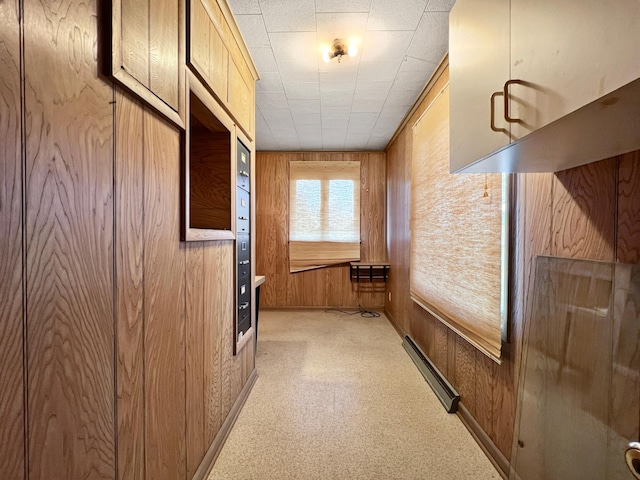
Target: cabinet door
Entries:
(569, 53)
(147, 52)
(478, 67)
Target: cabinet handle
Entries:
(493, 113)
(243, 218)
(244, 306)
(507, 115)
(243, 262)
(244, 173)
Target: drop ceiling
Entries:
(303, 103)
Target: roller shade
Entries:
(324, 213)
(458, 229)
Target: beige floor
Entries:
(337, 397)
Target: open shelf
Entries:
(208, 170)
(368, 271)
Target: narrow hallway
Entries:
(337, 397)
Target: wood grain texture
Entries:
(69, 246)
(572, 214)
(12, 431)
(584, 211)
(628, 214)
(241, 101)
(129, 251)
(164, 300)
(210, 180)
(225, 298)
(195, 338)
(327, 286)
(165, 72)
(134, 41)
(218, 310)
(199, 39)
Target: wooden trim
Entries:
(128, 81)
(216, 446)
(490, 449)
(231, 20)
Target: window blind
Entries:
(324, 213)
(458, 228)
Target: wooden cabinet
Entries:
(476, 70)
(561, 57)
(218, 55)
(147, 52)
(569, 54)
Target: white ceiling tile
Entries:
(339, 77)
(264, 60)
(336, 99)
(345, 26)
(309, 132)
(385, 45)
(304, 106)
(343, 6)
(272, 100)
(361, 123)
(440, 5)
(275, 116)
(417, 66)
(299, 48)
(335, 124)
(336, 112)
(244, 7)
(378, 71)
(253, 30)
(431, 40)
(302, 91)
(389, 15)
(269, 82)
(295, 73)
(288, 16)
(356, 140)
(378, 142)
(299, 93)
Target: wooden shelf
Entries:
(368, 271)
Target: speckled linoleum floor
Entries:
(337, 397)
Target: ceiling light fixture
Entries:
(339, 49)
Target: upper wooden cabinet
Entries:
(147, 52)
(218, 55)
(476, 70)
(565, 95)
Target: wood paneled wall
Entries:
(12, 426)
(116, 339)
(590, 212)
(329, 286)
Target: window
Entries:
(324, 214)
(458, 237)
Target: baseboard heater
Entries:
(443, 389)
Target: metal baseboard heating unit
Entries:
(443, 389)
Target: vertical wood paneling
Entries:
(11, 293)
(326, 286)
(196, 444)
(129, 286)
(226, 306)
(69, 246)
(464, 373)
(628, 245)
(485, 387)
(584, 211)
(164, 304)
(218, 310)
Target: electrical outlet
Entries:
(389, 296)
